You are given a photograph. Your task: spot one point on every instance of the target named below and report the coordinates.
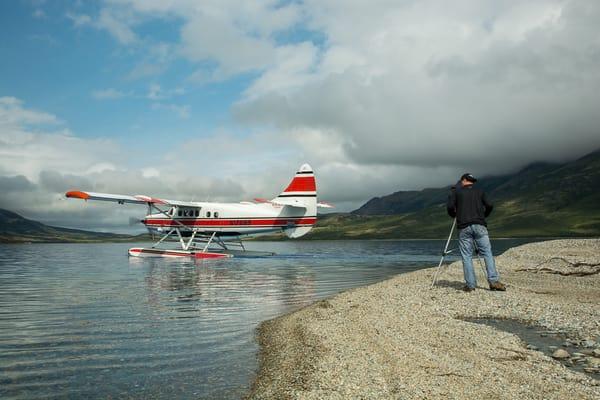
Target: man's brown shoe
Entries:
(497, 286)
(468, 288)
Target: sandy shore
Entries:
(399, 339)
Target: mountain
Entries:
(16, 229)
(542, 199)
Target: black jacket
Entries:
(469, 205)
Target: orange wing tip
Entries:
(76, 194)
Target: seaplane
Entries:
(215, 230)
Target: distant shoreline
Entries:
(399, 339)
(76, 241)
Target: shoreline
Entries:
(399, 339)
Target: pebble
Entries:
(560, 353)
(596, 352)
(532, 347)
(595, 362)
(588, 343)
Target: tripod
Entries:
(445, 252)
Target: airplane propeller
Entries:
(134, 221)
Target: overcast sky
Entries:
(224, 100)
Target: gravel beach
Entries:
(399, 339)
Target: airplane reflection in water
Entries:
(198, 288)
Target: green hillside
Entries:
(544, 200)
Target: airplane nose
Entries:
(133, 221)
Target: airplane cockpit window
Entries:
(197, 213)
(179, 213)
(208, 214)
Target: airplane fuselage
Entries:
(231, 219)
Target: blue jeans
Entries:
(468, 237)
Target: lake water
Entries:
(86, 321)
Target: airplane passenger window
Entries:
(208, 214)
(216, 214)
(179, 213)
(197, 213)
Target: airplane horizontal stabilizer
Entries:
(291, 202)
(325, 205)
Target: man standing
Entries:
(470, 206)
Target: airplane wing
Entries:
(122, 199)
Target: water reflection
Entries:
(198, 288)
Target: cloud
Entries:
(56, 182)
(118, 25)
(12, 114)
(182, 111)
(225, 38)
(155, 92)
(79, 19)
(32, 140)
(17, 183)
(108, 94)
(418, 85)
(116, 21)
(39, 13)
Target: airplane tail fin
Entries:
(301, 193)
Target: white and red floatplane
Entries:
(214, 230)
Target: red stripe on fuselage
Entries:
(302, 184)
(231, 223)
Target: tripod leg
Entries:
(479, 259)
(445, 252)
(437, 272)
